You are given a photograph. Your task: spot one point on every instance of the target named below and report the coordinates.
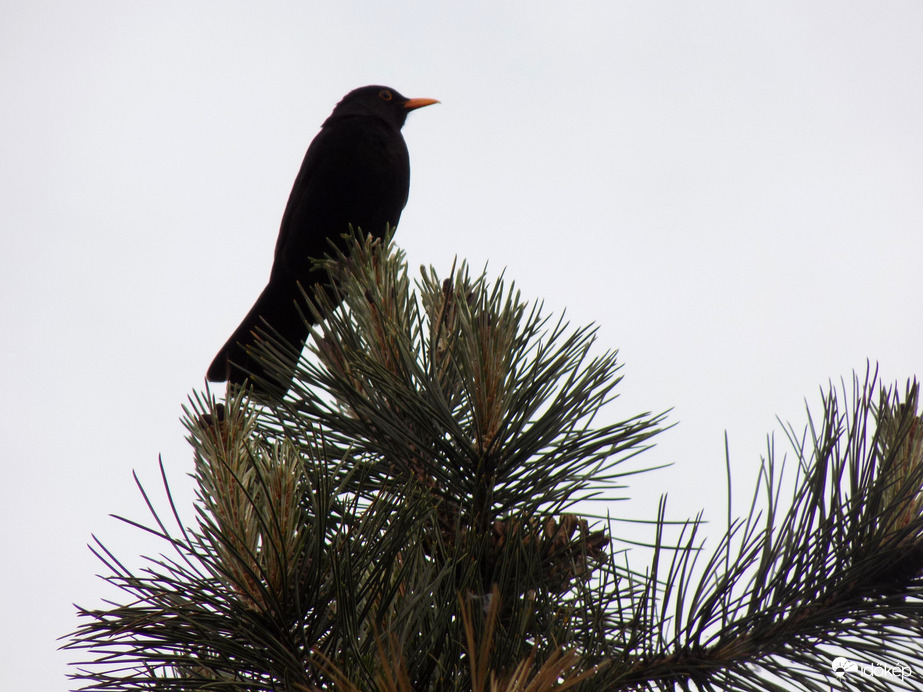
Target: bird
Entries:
(355, 173)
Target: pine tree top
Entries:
(408, 519)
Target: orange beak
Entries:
(412, 104)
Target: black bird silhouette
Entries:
(355, 172)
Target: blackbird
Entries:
(355, 173)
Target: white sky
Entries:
(732, 191)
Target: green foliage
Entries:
(833, 572)
(404, 520)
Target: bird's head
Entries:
(380, 102)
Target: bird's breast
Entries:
(354, 173)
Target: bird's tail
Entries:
(265, 348)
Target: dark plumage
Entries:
(355, 172)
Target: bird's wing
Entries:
(356, 171)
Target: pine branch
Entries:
(406, 519)
(840, 575)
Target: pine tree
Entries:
(409, 518)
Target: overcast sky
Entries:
(732, 191)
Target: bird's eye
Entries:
(385, 95)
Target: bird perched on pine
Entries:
(355, 173)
